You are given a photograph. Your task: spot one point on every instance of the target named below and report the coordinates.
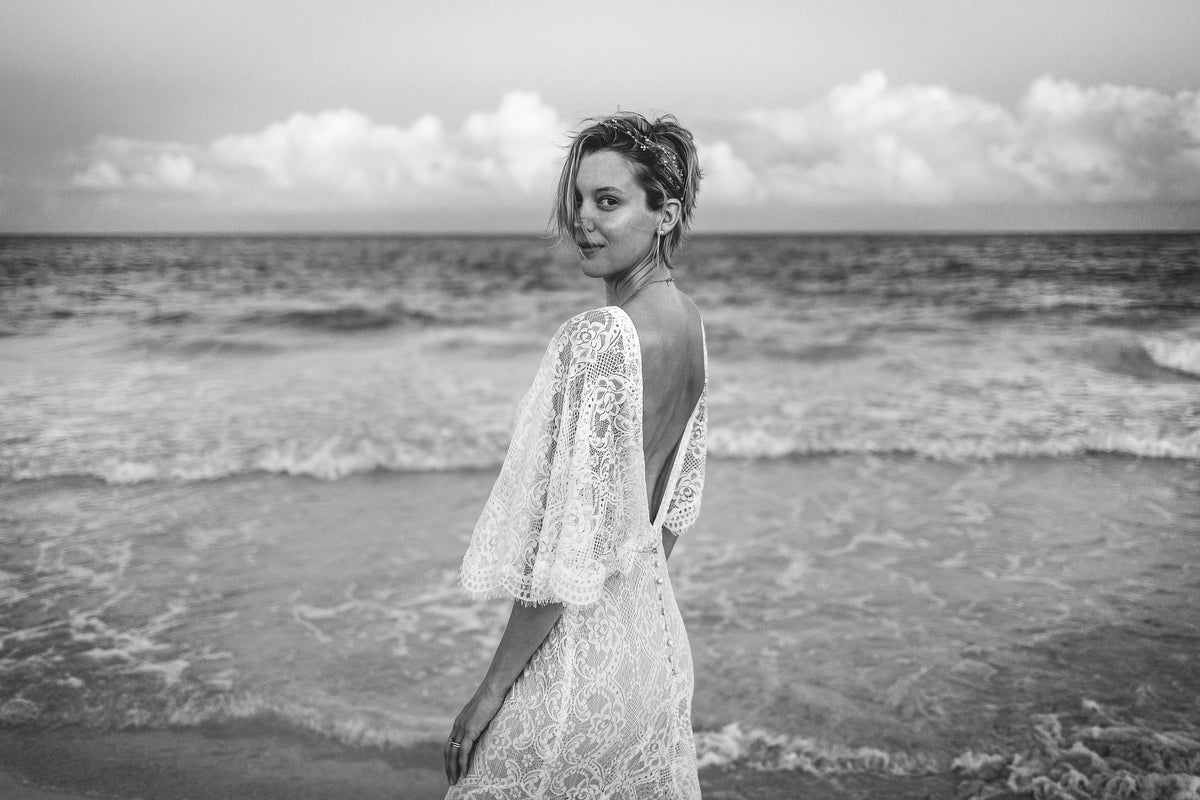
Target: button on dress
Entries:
(603, 709)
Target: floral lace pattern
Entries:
(569, 507)
(603, 709)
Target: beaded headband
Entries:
(665, 155)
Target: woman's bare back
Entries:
(668, 326)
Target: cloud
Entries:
(100, 174)
(516, 142)
(727, 177)
(867, 142)
(1107, 143)
(172, 170)
(123, 164)
(338, 159)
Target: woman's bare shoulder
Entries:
(670, 323)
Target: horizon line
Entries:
(230, 233)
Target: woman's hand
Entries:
(526, 630)
(468, 727)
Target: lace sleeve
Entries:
(685, 502)
(684, 507)
(553, 527)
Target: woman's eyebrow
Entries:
(609, 189)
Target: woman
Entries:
(589, 693)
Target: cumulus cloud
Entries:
(1107, 143)
(865, 142)
(869, 142)
(120, 163)
(334, 157)
(100, 174)
(515, 142)
(343, 159)
(727, 177)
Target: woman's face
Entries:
(616, 230)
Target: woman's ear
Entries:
(670, 215)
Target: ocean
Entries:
(951, 526)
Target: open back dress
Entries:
(603, 709)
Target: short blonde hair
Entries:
(665, 164)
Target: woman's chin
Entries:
(593, 268)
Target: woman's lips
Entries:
(587, 248)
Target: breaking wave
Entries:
(333, 460)
(1180, 355)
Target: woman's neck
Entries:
(619, 289)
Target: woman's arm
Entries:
(527, 628)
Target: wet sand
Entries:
(213, 764)
(231, 765)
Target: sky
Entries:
(180, 116)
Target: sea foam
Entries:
(1179, 354)
(757, 749)
(334, 459)
(1105, 758)
(752, 444)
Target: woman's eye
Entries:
(607, 202)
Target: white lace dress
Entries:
(603, 709)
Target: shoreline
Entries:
(208, 763)
(220, 764)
